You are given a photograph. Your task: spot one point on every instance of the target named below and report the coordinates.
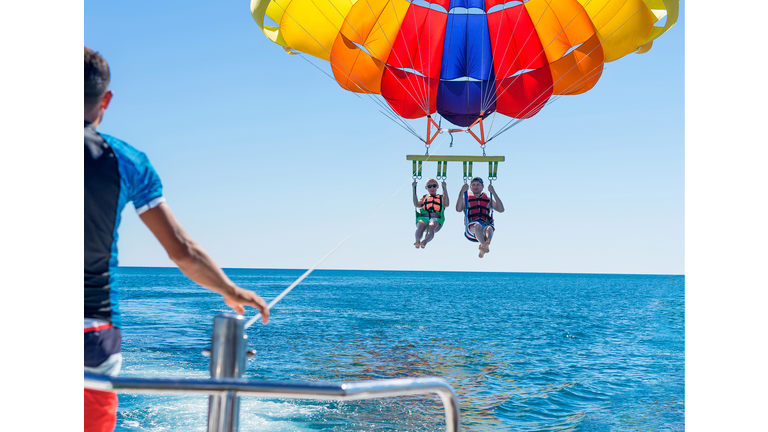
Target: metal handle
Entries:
(290, 390)
(248, 353)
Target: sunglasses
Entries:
(431, 186)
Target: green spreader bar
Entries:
(442, 164)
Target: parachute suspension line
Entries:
(514, 122)
(510, 124)
(392, 116)
(311, 269)
(330, 54)
(591, 74)
(495, 96)
(517, 121)
(420, 100)
(466, 58)
(450, 46)
(429, 62)
(492, 120)
(425, 91)
(388, 111)
(361, 38)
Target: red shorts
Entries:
(101, 356)
(100, 411)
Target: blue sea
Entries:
(523, 351)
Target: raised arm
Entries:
(195, 262)
(497, 204)
(416, 202)
(445, 195)
(460, 199)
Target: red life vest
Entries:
(477, 208)
(432, 204)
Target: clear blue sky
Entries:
(595, 183)
(268, 163)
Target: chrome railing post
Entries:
(228, 351)
(291, 390)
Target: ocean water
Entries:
(523, 352)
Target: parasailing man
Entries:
(478, 212)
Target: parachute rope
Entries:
(368, 91)
(496, 95)
(518, 121)
(553, 100)
(493, 98)
(421, 99)
(394, 117)
(311, 269)
(343, 17)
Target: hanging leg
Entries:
(420, 227)
(431, 230)
(477, 230)
(488, 235)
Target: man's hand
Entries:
(491, 189)
(243, 297)
(443, 185)
(415, 183)
(195, 262)
(464, 188)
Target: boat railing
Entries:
(225, 387)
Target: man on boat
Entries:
(116, 173)
(478, 210)
(430, 213)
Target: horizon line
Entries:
(405, 270)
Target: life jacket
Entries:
(433, 204)
(477, 208)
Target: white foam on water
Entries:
(190, 413)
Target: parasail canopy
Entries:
(466, 59)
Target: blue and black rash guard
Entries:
(115, 173)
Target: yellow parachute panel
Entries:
(623, 26)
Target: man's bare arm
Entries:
(445, 194)
(416, 201)
(460, 199)
(497, 204)
(195, 262)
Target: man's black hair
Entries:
(96, 77)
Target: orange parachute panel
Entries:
(364, 43)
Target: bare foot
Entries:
(423, 244)
(486, 247)
(482, 252)
(417, 244)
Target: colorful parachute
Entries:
(465, 59)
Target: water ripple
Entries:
(524, 352)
